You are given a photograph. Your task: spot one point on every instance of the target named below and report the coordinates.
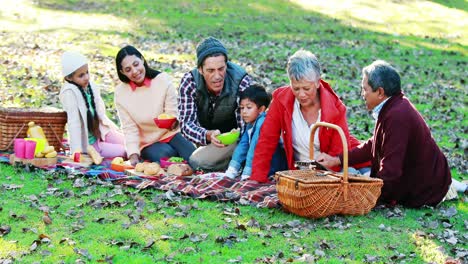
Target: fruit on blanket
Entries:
(48, 149)
(52, 154)
(48, 152)
(148, 168)
(180, 170)
(95, 156)
(152, 169)
(118, 160)
(165, 116)
(140, 167)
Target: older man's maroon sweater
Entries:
(405, 156)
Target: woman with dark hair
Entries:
(88, 125)
(143, 95)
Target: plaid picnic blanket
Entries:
(211, 186)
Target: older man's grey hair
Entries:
(381, 74)
(303, 65)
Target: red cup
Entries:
(29, 149)
(19, 147)
(77, 156)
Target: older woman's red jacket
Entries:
(278, 122)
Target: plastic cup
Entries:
(29, 149)
(40, 144)
(19, 147)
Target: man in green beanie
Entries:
(209, 104)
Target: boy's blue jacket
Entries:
(244, 151)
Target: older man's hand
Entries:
(327, 160)
(213, 139)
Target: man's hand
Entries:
(134, 159)
(211, 136)
(327, 160)
(174, 126)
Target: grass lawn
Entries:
(96, 222)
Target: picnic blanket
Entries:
(211, 186)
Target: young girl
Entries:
(88, 125)
(253, 102)
(143, 95)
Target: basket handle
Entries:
(19, 131)
(56, 136)
(343, 140)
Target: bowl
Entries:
(121, 167)
(228, 138)
(165, 123)
(164, 162)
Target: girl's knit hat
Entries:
(71, 61)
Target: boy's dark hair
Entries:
(257, 94)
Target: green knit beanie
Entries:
(209, 46)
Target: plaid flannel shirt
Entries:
(188, 118)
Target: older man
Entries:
(209, 104)
(403, 153)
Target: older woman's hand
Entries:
(327, 160)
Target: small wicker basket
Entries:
(317, 193)
(14, 124)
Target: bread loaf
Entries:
(180, 170)
(152, 168)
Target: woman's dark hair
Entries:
(257, 94)
(92, 121)
(129, 51)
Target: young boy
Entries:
(253, 103)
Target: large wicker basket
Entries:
(317, 193)
(14, 124)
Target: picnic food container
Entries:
(317, 193)
(121, 167)
(165, 162)
(165, 123)
(229, 138)
(14, 124)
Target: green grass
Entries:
(430, 52)
(187, 230)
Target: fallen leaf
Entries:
(148, 245)
(449, 212)
(4, 230)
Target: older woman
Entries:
(293, 112)
(143, 95)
